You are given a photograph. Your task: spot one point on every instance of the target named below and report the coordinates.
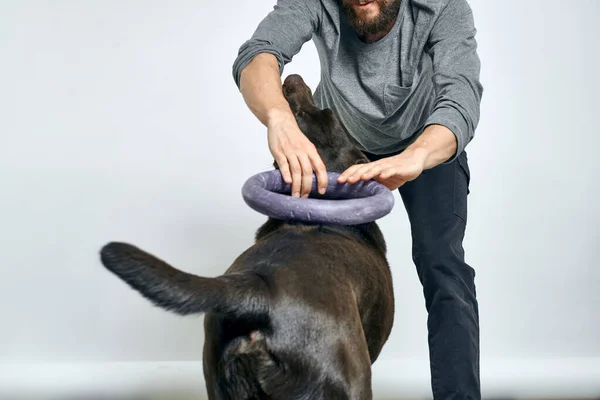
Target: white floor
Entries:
(393, 379)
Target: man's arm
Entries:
(456, 65)
(260, 85)
(436, 145)
(458, 91)
(257, 72)
(451, 125)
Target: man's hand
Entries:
(435, 145)
(295, 155)
(393, 171)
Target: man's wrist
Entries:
(278, 113)
(434, 146)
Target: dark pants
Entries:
(436, 203)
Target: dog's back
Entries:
(301, 314)
(330, 312)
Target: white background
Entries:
(121, 121)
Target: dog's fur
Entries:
(302, 313)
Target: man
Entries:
(403, 77)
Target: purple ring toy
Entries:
(342, 204)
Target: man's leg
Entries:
(436, 203)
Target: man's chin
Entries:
(365, 26)
(372, 18)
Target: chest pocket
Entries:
(394, 97)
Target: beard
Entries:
(388, 12)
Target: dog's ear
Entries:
(337, 128)
(328, 112)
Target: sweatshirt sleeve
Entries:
(456, 68)
(282, 33)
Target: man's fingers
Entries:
(307, 175)
(321, 173)
(284, 167)
(374, 170)
(361, 171)
(348, 172)
(296, 170)
(357, 174)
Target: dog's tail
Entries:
(235, 295)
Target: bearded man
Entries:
(403, 77)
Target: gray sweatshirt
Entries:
(425, 71)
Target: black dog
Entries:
(301, 314)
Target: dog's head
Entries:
(334, 144)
